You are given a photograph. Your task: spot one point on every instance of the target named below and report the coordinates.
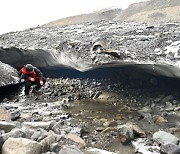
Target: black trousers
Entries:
(29, 83)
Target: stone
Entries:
(146, 115)
(137, 130)
(4, 114)
(15, 133)
(162, 137)
(36, 135)
(76, 139)
(45, 125)
(15, 115)
(160, 119)
(55, 147)
(46, 142)
(43, 134)
(76, 130)
(8, 75)
(168, 98)
(25, 117)
(168, 148)
(7, 126)
(126, 134)
(21, 146)
(70, 150)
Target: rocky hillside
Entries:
(170, 14)
(152, 11)
(107, 14)
(148, 11)
(150, 5)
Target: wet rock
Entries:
(7, 126)
(126, 134)
(36, 135)
(21, 146)
(137, 130)
(15, 115)
(168, 104)
(45, 125)
(15, 133)
(145, 113)
(25, 117)
(5, 115)
(162, 137)
(55, 147)
(168, 148)
(159, 119)
(168, 98)
(46, 142)
(76, 139)
(128, 131)
(8, 75)
(43, 135)
(70, 150)
(57, 127)
(76, 130)
(28, 132)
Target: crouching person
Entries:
(29, 76)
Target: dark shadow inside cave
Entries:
(9, 91)
(127, 74)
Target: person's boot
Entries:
(26, 92)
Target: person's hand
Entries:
(41, 83)
(32, 79)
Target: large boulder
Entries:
(162, 137)
(21, 146)
(8, 75)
